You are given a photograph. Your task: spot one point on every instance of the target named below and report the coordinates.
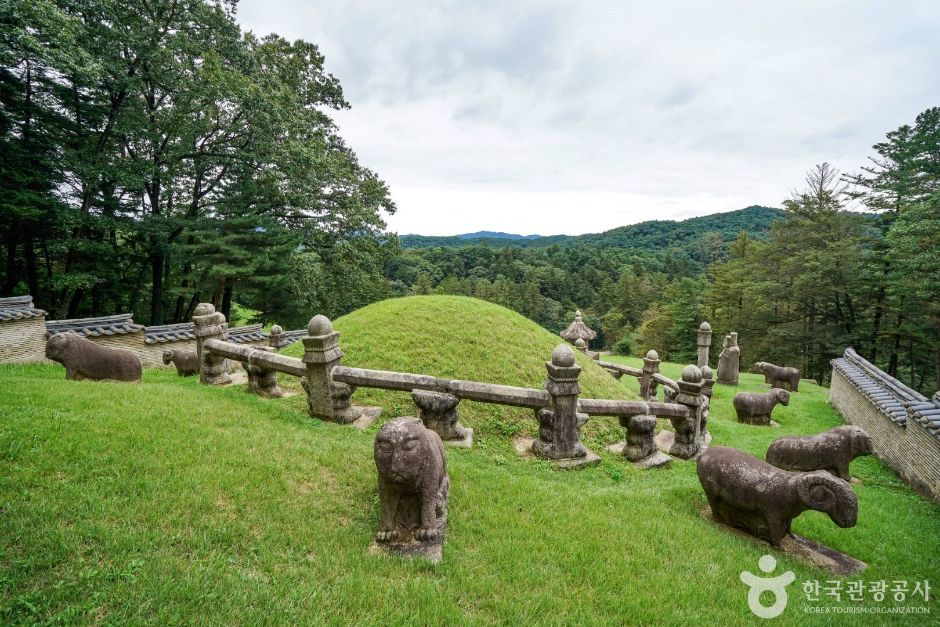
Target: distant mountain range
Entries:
(494, 235)
(653, 234)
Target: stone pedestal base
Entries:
(430, 551)
(234, 378)
(523, 448)
(367, 415)
(665, 439)
(465, 442)
(656, 460)
(812, 553)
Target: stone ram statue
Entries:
(750, 494)
(755, 408)
(83, 359)
(786, 377)
(186, 362)
(413, 482)
(831, 450)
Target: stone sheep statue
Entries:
(413, 482)
(750, 494)
(186, 362)
(83, 359)
(785, 377)
(831, 450)
(755, 408)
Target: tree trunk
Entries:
(11, 278)
(156, 289)
(226, 308)
(74, 302)
(936, 363)
(32, 272)
(895, 350)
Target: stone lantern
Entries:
(577, 330)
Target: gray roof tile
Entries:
(120, 324)
(19, 308)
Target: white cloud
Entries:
(511, 116)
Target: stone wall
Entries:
(22, 331)
(903, 439)
(22, 341)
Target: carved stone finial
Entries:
(319, 325)
(563, 356)
(651, 354)
(692, 374)
(705, 327)
(204, 309)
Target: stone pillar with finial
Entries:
(684, 442)
(210, 324)
(560, 425)
(708, 384)
(276, 337)
(704, 343)
(326, 399)
(647, 383)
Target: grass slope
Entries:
(169, 502)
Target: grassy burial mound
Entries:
(168, 502)
(457, 337)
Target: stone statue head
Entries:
(56, 346)
(167, 357)
(861, 441)
(823, 492)
(783, 397)
(402, 451)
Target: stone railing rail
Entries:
(637, 373)
(329, 387)
(257, 357)
(464, 390)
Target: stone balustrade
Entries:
(560, 412)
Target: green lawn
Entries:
(169, 502)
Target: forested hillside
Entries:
(654, 234)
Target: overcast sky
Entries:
(574, 117)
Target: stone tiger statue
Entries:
(413, 482)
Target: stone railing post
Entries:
(276, 337)
(647, 384)
(438, 412)
(321, 354)
(704, 343)
(326, 399)
(640, 446)
(708, 384)
(209, 324)
(686, 443)
(560, 425)
(262, 381)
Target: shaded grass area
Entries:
(169, 502)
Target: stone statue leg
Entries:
(388, 500)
